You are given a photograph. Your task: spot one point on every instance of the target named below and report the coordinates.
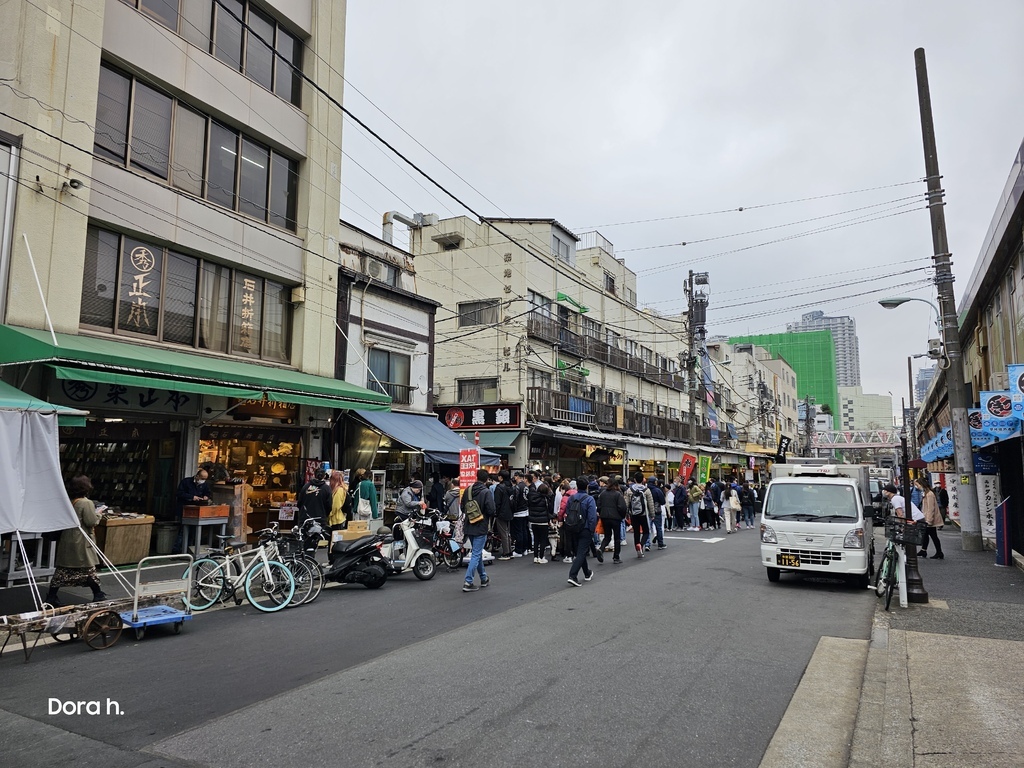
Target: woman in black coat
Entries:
(541, 501)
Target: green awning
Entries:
(88, 358)
(13, 399)
(500, 440)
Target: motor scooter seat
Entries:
(340, 547)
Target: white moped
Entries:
(409, 550)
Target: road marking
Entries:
(694, 538)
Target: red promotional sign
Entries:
(469, 463)
(686, 467)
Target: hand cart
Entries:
(100, 624)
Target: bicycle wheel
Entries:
(884, 573)
(303, 580)
(452, 559)
(206, 583)
(890, 586)
(317, 574)
(269, 587)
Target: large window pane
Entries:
(189, 150)
(112, 114)
(379, 363)
(179, 300)
(164, 11)
(400, 369)
(196, 22)
(220, 187)
(252, 188)
(227, 44)
(276, 322)
(151, 130)
(288, 74)
(99, 283)
(139, 296)
(284, 189)
(259, 55)
(247, 314)
(215, 293)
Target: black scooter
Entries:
(359, 561)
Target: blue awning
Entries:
(426, 433)
(732, 432)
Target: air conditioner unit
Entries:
(982, 339)
(999, 381)
(373, 268)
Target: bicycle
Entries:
(291, 550)
(898, 532)
(268, 584)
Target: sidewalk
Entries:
(943, 681)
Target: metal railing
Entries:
(400, 394)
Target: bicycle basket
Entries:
(289, 546)
(903, 532)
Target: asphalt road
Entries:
(688, 657)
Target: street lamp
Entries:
(895, 301)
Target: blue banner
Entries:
(1017, 389)
(979, 437)
(997, 415)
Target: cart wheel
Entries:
(102, 629)
(177, 627)
(72, 635)
(140, 632)
(238, 601)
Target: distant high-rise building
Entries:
(862, 411)
(924, 380)
(844, 334)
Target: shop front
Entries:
(155, 415)
(571, 452)
(492, 426)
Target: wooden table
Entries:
(125, 539)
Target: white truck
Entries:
(818, 518)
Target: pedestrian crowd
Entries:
(528, 513)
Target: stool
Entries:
(217, 525)
(42, 558)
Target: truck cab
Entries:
(818, 519)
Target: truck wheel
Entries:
(863, 581)
(774, 574)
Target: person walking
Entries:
(520, 527)
(581, 505)
(76, 559)
(503, 493)
(541, 514)
(611, 510)
(730, 508)
(932, 517)
(658, 497)
(747, 499)
(476, 530)
(639, 502)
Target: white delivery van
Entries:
(818, 519)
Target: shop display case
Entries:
(120, 471)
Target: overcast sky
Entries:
(598, 113)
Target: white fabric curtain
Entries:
(32, 495)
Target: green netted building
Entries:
(813, 357)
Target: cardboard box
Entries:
(359, 525)
(349, 535)
(218, 510)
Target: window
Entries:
(391, 371)
(539, 304)
(164, 11)
(196, 22)
(259, 56)
(151, 130)
(536, 378)
(132, 287)
(613, 398)
(99, 283)
(188, 150)
(230, 169)
(609, 283)
(112, 114)
(227, 33)
(288, 68)
(479, 312)
(561, 249)
(591, 328)
(478, 390)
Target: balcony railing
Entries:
(400, 394)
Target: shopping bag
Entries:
(600, 527)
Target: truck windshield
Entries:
(811, 500)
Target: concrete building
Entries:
(844, 335)
(174, 183)
(859, 411)
(542, 350)
(922, 382)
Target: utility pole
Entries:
(696, 319)
(970, 515)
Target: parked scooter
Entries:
(359, 562)
(410, 548)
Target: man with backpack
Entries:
(658, 495)
(478, 508)
(580, 523)
(503, 493)
(640, 504)
(315, 499)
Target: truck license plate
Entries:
(790, 561)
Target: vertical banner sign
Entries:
(979, 437)
(704, 469)
(953, 489)
(469, 463)
(1004, 548)
(686, 467)
(988, 500)
(1017, 389)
